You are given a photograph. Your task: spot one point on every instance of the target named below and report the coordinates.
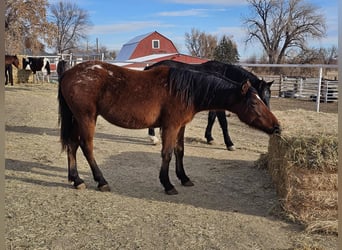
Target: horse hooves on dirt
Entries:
(171, 192)
(81, 186)
(104, 188)
(231, 148)
(188, 183)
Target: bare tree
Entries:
(282, 24)
(200, 44)
(27, 29)
(317, 56)
(71, 22)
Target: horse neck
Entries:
(222, 98)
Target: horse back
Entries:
(127, 98)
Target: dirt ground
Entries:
(232, 205)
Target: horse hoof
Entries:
(81, 186)
(210, 141)
(171, 192)
(231, 148)
(188, 183)
(104, 188)
(154, 140)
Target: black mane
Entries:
(235, 72)
(198, 88)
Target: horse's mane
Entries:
(192, 86)
(235, 72)
(232, 69)
(170, 63)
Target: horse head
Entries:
(26, 64)
(264, 91)
(253, 111)
(15, 61)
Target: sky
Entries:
(116, 22)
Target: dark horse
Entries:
(9, 61)
(62, 66)
(162, 97)
(37, 64)
(233, 72)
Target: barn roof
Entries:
(141, 62)
(129, 47)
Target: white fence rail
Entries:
(312, 89)
(307, 89)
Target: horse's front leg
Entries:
(169, 136)
(179, 153)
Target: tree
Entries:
(317, 56)
(27, 29)
(71, 22)
(226, 51)
(282, 24)
(200, 44)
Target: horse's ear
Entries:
(270, 83)
(245, 87)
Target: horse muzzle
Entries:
(276, 130)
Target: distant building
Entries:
(150, 48)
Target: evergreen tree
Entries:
(226, 51)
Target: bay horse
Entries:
(233, 72)
(37, 64)
(9, 61)
(162, 97)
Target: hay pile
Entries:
(21, 75)
(303, 163)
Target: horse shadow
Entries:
(220, 184)
(44, 171)
(226, 185)
(56, 131)
(32, 130)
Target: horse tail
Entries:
(65, 119)
(61, 68)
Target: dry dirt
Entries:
(233, 205)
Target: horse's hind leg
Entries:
(72, 166)
(221, 116)
(87, 130)
(179, 153)
(211, 120)
(73, 145)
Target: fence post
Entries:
(318, 99)
(280, 85)
(325, 90)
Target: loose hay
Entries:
(303, 164)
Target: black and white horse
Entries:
(38, 64)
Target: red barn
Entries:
(150, 48)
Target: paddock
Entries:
(233, 204)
